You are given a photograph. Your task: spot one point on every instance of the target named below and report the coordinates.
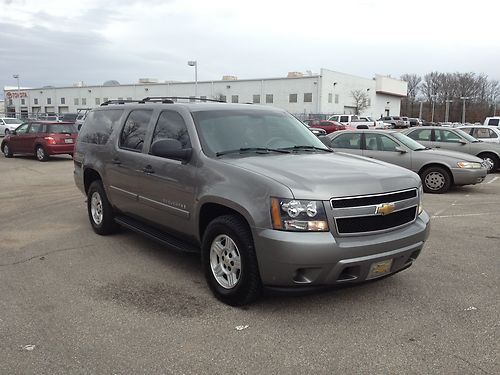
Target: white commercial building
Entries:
(326, 93)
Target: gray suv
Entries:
(252, 190)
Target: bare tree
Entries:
(360, 100)
(413, 81)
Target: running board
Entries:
(156, 235)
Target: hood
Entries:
(322, 176)
(453, 154)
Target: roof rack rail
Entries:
(173, 99)
(119, 101)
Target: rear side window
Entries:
(61, 128)
(493, 121)
(171, 125)
(421, 135)
(99, 125)
(35, 128)
(344, 118)
(134, 130)
(350, 140)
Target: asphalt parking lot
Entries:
(75, 302)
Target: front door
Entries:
(167, 193)
(450, 140)
(382, 147)
(16, 142)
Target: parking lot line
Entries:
(492, 180)
(463, 215)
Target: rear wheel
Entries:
(492, 160)
(229, 261)
(100, 212)
(436, 180)
(7, 151)
(7, 131)
(41, 154)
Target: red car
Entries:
(326, 125)
(41, 138)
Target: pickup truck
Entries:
(352, 121)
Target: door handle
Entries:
(148, 169)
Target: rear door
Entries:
(422, 136)
(383, 147)
(349, 142)
(34, 132)
(168, 190)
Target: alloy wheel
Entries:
(225, 261)
(96, 208)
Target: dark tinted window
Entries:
(421, 135)
(493, 121)
(344, 118)
(171, 125)
(61, 128)
(134, 130)
(380, 142)
(35, 128)
(348, 140)
(99, 125)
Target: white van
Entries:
(492, 121)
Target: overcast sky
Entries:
(60, 42)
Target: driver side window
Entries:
(22, 129)
(448, 136)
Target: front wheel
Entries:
(7, 132)
(7, 151)
(229, 261)
(100, 212)
(41, 154)
(436, 180)
(492, 161)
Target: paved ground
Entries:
(123, 304)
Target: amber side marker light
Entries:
(275, 213)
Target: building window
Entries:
(10, 101)
(308, 97)
(77, 101)
(104, 100)
(23, 101)
(203, 98)
(234, 99)
(223, 98)
(84, 101)
(191, 98)
(368, 102)
(35, 100)
(292, 98)
(330, 97)
(63, 100)
(269, 98)
(256, 99)
(49, 100)
(97, 101)
(120, 98)
(129, 98)
(336, 98)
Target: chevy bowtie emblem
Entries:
(385, 209)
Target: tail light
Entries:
(50, 140)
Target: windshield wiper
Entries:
(263, 150)
(307, 147)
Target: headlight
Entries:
(420, 195)
(298, 215)
(468, 165)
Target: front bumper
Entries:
(293, 259)
(463, 176)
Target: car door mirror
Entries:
(400, 150)
(13, 132)
(461, 141)
(171, 149)
(326, 141)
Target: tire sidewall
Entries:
(44, 153)
(107, 225)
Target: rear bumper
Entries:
(60, 149)
(288, 259)
(468, 176)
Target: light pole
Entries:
(464, 98)
(494, 106)
(420, 111)
(195, 64)
(447, 115)
(16, 76)
(433, 98)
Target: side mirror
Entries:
(13, 132)
(171, 149)
(400, 149)
(326, 141)
(462, 142)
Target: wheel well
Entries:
(480, 155)
(436, 165)
(90, 176)
(210, 211)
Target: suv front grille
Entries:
(360, 214)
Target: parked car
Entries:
(490, 134)
(81, 116)
(415, 121)
(395, 121)
(352, 120)
(456, 140)
(252, 190)
(327, 126)
(316, 131)
(68, 117)
(377, 124)
(8, 124)
(438, 169)
(41, 139)
(492, 121)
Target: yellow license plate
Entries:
(380, 269)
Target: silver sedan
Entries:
(438, 169)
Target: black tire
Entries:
(41, 154)
(493, 159)
(248, 286)
(7, 131)
(106, 225)
(435, 180)
(7, 152)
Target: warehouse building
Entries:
(302, 94)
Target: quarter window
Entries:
(171, 125)
(99, 125)
(134, 130)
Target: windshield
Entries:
(408, 142)
(247, 130)
(13, 121)
(469, 137)
(61, 128)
